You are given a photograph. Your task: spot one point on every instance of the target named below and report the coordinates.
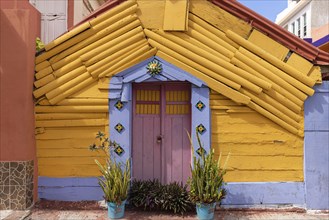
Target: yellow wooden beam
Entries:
(73, 90)
(309, 91)
(43, 81)
(42, 65)
(59, 81)
(176, 59)
(198, 22)
(271, 59)
(111, 20)
(175, 15)
(107, 33)
(70, 123)
(83, 102)
(133, 55)
(44, 72)
(222, 46)
(73, 109)
(219, 18)
(114, 58)
(66, 116)
(295, 95)
(113, 46)
(68, 68)
(67, 35)
(275, 119)
(277, 92)
(112, 12)
(201, 60)
(271, 108)
(66, 87)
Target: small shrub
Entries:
(152, 195)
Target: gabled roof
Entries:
(229, 55)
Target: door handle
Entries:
(159, 138)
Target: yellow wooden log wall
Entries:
(257, 110)
(260, 150)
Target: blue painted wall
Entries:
(316, 148)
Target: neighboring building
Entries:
(307, 19)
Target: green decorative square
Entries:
(119, 150)
(119, 105)
(200, 105)
(201, 129)
(119, 127)
(201, 151)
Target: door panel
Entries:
(161, 118)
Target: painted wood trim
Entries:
(239, 194)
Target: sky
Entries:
(267, 8)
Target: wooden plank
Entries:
(151, 13)
(175, 15)
(66, 143)
(219, 18)
(268, 44)
(64, 109)
(84, 101)
(54, 116)
(300, 63)
(91, 91)
(315, 74)
(69, 171)
(71, 123)
(69, 133)
(50, 153)
(69, 161)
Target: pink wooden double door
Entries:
(161, 119)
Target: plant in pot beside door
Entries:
(206, 182)
(115, 178)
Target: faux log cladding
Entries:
(233, 58)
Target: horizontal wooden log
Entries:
(174, 58)
(70, 123)
(271, 59)
(57, 116)
(83, 102)
(64, 109)
(111, 31)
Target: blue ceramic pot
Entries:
(205, 211)
(116, 211)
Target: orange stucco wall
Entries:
(20, 25)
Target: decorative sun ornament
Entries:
(154, 68)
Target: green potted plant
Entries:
(115, 178)
(206, 183)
